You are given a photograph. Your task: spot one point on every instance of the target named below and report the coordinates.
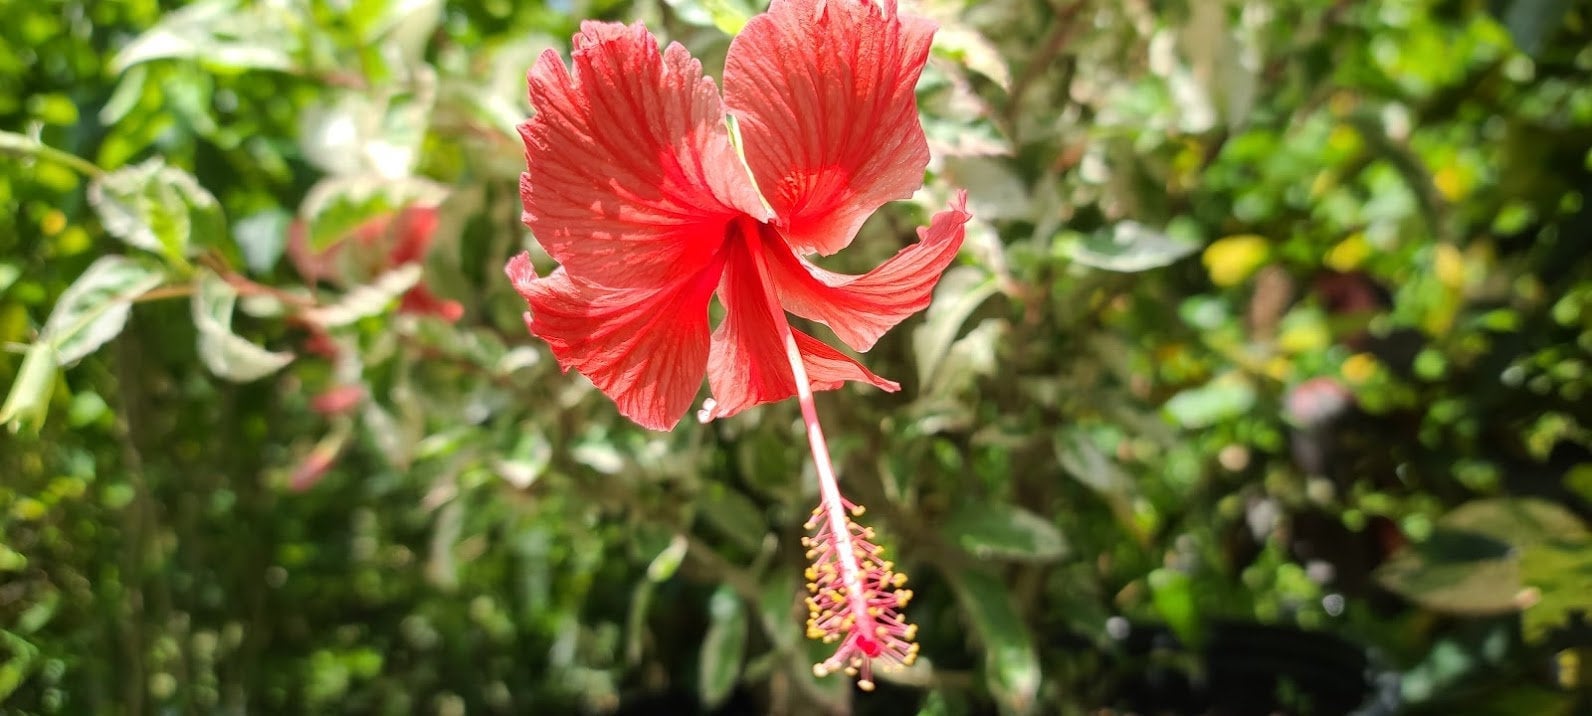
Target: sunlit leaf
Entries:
(9, 272)
(729, 16)
(1472, 562)
(1222, 399)
(157, 208)
(28, 401)
(972, 50)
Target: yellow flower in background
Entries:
(1232, 259)
(1360, 368)
(1348, 254)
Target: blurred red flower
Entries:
(380, 244)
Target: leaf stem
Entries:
(15, 143)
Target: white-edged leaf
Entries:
(157, 208)
(961, 291)
(94, 308)
(226, 354)
(1130, 247)
(367, 300)
(723, 647)
(228, 34)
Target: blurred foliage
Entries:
(1261, 386)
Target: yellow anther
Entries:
(865, 684)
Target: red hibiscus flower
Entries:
(635, 187)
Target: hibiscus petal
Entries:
(748, 364)
(823, 91)
(644, 347)
(861, 308)
(631, 177)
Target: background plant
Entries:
(1272, 312)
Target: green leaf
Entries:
(733, 515)
(1000, 531)
(157, 208)
(24, 658)
(28, 403)
(226, 34)
(960, 292)
(1130, 247)
(668, 561)
(1011, 664)
(94, 308)
(1172, 593)
(367, 300)
(723, 647)
(1531, 22)
(227, 355)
